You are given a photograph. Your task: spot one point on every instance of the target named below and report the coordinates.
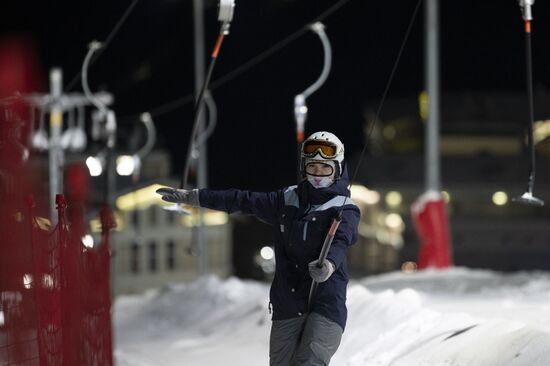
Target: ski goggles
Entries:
(326, 149)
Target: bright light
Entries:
(267, 253)
(446, 196)
(88, 241)
(125, 165)
(500, 198)
(265, 260)
(393, 221)
(393, 198)
(94, 166)
(27, 281)
(2, 321)
(363, 194)
(47, 281)
(409, 267)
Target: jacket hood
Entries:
(317, 196)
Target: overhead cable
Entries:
(105, 43)
(180, 102)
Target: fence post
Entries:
(107, 223)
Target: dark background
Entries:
(150, 63)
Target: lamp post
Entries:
(55, 155)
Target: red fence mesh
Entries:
(56, 308)
(55, 295)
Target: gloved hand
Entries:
(321, 274)
(188, 197)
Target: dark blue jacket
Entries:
(301, 216)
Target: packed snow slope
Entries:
(453, 317)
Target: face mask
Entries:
(319, 182)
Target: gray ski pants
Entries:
(308, 340)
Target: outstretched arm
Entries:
(263, 205)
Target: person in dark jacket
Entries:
(300, 216)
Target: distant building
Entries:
(484, 165)
(152, 246)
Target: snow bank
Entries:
(200, 323)
(395, 328)
(454, 317)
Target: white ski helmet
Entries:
(323, 146)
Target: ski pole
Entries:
(323, 255)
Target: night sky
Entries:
(150, 63)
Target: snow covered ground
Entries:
(453, 317)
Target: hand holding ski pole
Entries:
(323, 272)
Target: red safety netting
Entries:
(45, 283)
(55, 294)
(56, 309)
(95, 298)
(18, 312)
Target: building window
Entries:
(135, 218)
(153, 215)
(134, 257)
(171, 217)
(153, 257)
(171, 255)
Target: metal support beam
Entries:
(55, 155)
(432, 151)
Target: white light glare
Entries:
(125, 165)
(2, 321)
(267, 253)
(47, 281)
(500, 198)
(27, 281)
(393, 221)
(88, 241)
(393, 198)
(94, 166)
(363, 194)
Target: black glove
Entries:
(321, 274)
(188, 197)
